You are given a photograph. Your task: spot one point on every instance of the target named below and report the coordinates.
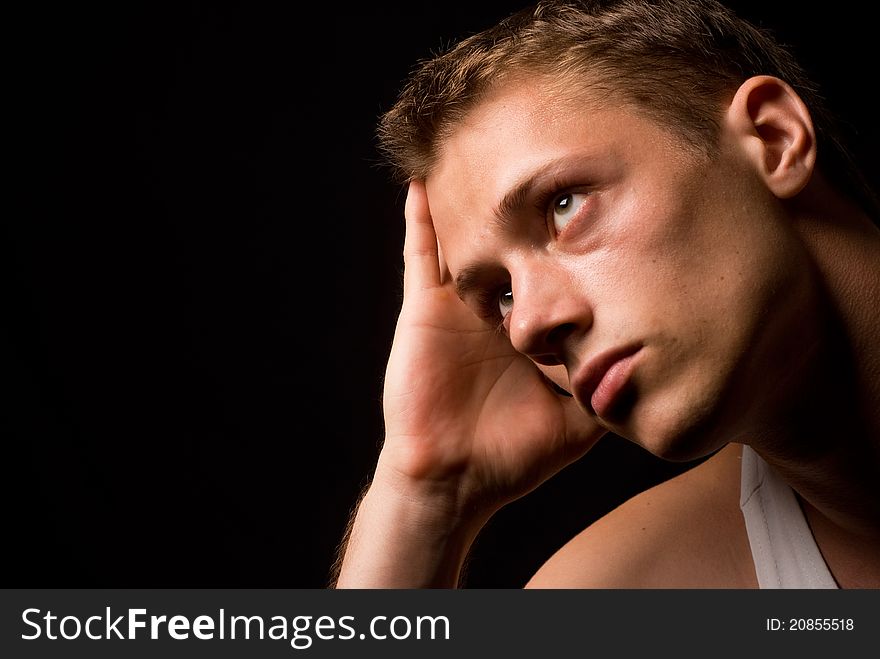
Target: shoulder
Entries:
(687, 532)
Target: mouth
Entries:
(602, 381)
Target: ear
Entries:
(774, 127)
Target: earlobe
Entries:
(776, 129)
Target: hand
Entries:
(464, 412)
(470, 424)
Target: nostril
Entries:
(558, 334)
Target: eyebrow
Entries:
(514, 199)
(468, 280)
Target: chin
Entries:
(679, 433)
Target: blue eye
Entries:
(565, 207)
(505, 301)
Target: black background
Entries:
(202, 260)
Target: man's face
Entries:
(667, 284)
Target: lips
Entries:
(603, 379)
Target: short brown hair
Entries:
(676, 60)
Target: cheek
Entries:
(694, 268)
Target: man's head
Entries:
(618, 200)
(678, 61)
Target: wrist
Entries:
(408, 534)
(437, 498)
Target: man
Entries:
(631, 217)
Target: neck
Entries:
(826, 444)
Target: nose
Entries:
(550, 311)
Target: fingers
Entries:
(420, 252)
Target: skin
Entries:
(738, 282)
(653, 255)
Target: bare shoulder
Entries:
(687, 532)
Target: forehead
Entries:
(514, 132)
(511, 131)
(534, 111)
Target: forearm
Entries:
(405, 537)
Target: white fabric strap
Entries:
(783, 548)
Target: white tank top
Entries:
(783, 548)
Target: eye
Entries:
(505, 301)
(493, 303)
(565, 207)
